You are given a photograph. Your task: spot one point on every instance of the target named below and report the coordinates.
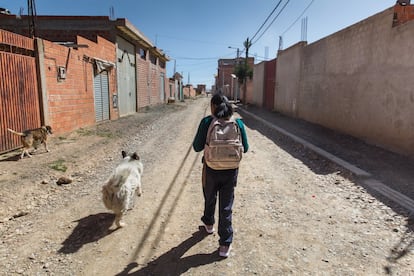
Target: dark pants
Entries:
(221, 183)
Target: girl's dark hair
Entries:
(223, 108)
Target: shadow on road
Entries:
(394, 170)
(168, 194)
(312, 160)
(404, 247)
(8, 157)
(173, 262)
(89, 229)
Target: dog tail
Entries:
(15, 132)
(107, 197)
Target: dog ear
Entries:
(135, 156)
(124, 154)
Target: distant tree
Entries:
(243, 70)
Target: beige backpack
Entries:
(224, 148)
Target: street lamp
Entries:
(233, 76)
(238, 51)
(234, 92)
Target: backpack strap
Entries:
(210, 127)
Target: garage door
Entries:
(101, 91)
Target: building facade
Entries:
(228, 83)
(140, 66)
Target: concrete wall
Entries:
(288, 77)
(259, 72)
(189, 91)
(171, 89)
(270, 81)
(249, 90)
(358, 81)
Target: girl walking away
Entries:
(223, 140)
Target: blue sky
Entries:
(196, 33)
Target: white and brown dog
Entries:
(119, 191)
(33, 138)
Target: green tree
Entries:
(243, 71)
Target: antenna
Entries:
(111, 13)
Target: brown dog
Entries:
(33, 138)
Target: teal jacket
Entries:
(201, 136)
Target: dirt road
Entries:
(290, 217)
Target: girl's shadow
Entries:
(89, 229)
(172, 262)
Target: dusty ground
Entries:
(292, 216)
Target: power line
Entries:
(277, 5)
(202, 58)
(197, 65)
(197, 58)
(191, 40)
(298, 18)
(284, 6)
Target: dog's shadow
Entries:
(15, 156)
(6, 158)
(173, 262)
(89, 229)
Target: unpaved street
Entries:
(295, 213)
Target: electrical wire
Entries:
(271, 22)
(195, 58)
(191, 40)
(277, 5)
(298, 18)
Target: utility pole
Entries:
(247, 45)
(31, 9)
(181, 88)
(222, 79)
(237, 82)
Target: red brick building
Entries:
(189, 91)
(76, 92)
(403, 12)
(227, 82)
(140, 67)
(201, 89)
